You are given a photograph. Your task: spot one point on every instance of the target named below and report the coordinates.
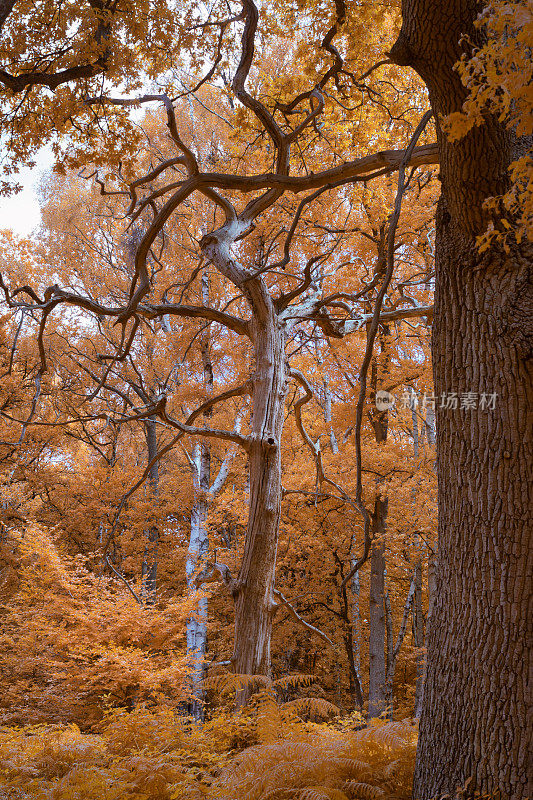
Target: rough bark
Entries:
(474, 723)
(474, 717)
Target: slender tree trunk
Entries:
(418, 637)
(254, 601)
(390, 664)
(377, 670)
(419, 694)
(429, 425)
(393, 648)
(351, 629)
(149, 565)
(356, 636)
(196, 629)
(475, 724)
(418, 613)
(377, 702)
(327, 414)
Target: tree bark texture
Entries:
(474, 723)
(254, 602)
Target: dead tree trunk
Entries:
(254, 603)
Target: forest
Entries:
(266, 400)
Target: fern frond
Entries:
(314, 708)
(269, 720)
(322, 793)
(363, 791)
(230, 682)
(293, 681)
(352, 768)
(394, 735)
(391, 769)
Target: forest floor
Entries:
(158, 755)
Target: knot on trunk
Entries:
(401, 53)
(212, 573)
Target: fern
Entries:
(161, 756)
(352, 768)
(313, 708)
(363, 791)
(293, 681)
(268, 718)
(322, 793)
(229, 683)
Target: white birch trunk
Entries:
(196, 629)
(355, 584)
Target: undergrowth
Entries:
(262, 753)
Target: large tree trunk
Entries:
(474, 721)
(474, 715)
(254, 602)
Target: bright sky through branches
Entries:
(21, 212)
